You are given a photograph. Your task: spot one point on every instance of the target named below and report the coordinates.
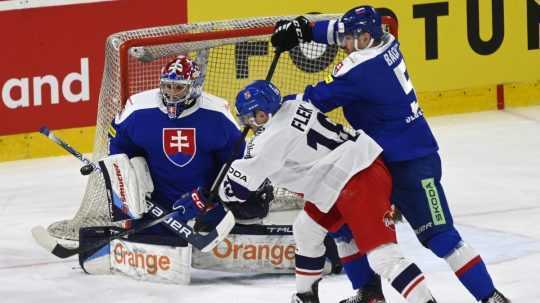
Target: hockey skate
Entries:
(497, 297)
(308, 297)
(370, 293)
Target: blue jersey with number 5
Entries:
(376, 94)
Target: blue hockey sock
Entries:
(471, 271)
(357, 270)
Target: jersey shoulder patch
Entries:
(358, 57)
(140, 101)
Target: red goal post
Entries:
(232, 53)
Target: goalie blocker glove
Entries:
(193, 204)
(289, 33)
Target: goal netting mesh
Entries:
(232, 53)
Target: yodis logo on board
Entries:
(179, 145)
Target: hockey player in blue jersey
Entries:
(374, 89)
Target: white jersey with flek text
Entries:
(301, 150)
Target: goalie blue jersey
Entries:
(183, 153)
(376, 94)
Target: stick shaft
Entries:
(49, 134)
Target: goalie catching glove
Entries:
(289, 33)
(128, 183)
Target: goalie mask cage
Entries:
(231, 54)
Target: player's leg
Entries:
(419, 195)
(365, 206)
(309, 237)
(363, 279)
(355, 263)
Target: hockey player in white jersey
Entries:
(339, 172)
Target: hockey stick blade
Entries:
(218, 234)
(42, 237)
(49, 243)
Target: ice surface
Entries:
(491, 174)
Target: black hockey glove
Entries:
(257, 204)
(289, 33)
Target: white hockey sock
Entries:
(403, 275)
(461, 258)
(309, 237)
(305, 280)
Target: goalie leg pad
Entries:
(144, 179)
(149, 262)
(140, 261)
(253, 249)
(96, 261)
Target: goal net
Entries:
(231, 53)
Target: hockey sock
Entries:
(403, 275)
(308, 271)
(471, 271)
(355, 264)
(357, 270)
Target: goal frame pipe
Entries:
(178, 38)
(194, 37)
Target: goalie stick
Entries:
(204, 242)
(42, 237)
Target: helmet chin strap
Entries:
(187, 104)
(263, 124)
(356, 48)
